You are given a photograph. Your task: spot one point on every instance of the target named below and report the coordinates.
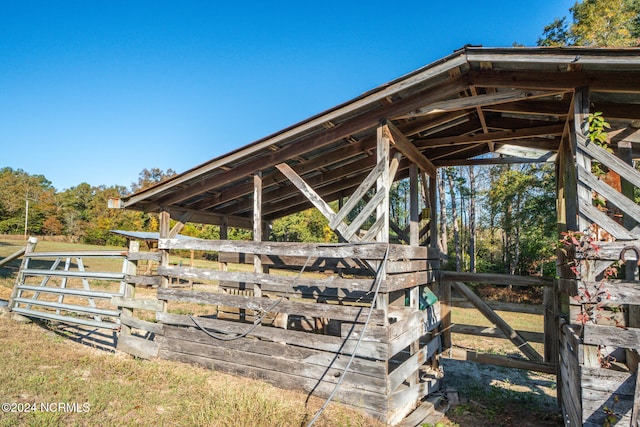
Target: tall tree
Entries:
(472, 220)
(454, 217)
(443, 211)
(150, 177)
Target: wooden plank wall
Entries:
(313, 323)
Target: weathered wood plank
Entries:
(496, 279)
(134, 322)
(373, 350)
(612, 162)
(611, 335)
(366, 251)
(270, 282)
(397, 282)
(495, 98)
(592, 213)
(489, 332)
(619, 291)
(13, 256)
(620, 200)
(292, 353)
(613, 250)
(368, 401)
(146, 256)
(365, 213)
(502, 306)
(412, 364)
(402, 402)
(329, 311)
(357, 195)
(275, 358)
(137, 346)
(407, 148)
(138, 303)
(315, 199)
(143, 280)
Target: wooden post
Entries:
(414, 240)
(578, 137)
(130, 269)
(257, 227)
(165, 219)
(31, 246)
(382, 210)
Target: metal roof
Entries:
(461, 109)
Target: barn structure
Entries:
(363, 325)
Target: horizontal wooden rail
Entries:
(13, 256)
(496, 279)
(366, 251)
(330, 311)
(489, 332)
(492, 359)
(273, 282)
(511, 307)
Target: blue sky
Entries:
(96, 91)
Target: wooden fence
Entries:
(353, 319)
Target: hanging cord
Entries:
(256, 322)
(377, 283)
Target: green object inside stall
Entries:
(426, 298)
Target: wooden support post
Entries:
(578, 137)
(445, 313)
(414, 240)
(29, 248)
(382, 209)
(257, 227)
(165, 219)
(130, 269)
(551, 324)
(224, 235)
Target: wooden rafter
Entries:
(477, 101)
(407, 148)
(538, 131)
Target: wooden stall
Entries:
(477, 106)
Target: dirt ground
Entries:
(493, 395)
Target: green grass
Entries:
(40, 366)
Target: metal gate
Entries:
(71, 287)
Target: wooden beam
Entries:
(494, 161)
(177, 228)
(478, 101)
(538, 131)
(357, 195)
(407, 148)
(257, 227)
(313, 197)
(491, 315)
(621, 81)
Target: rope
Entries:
(256, 322)
(377, 282)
